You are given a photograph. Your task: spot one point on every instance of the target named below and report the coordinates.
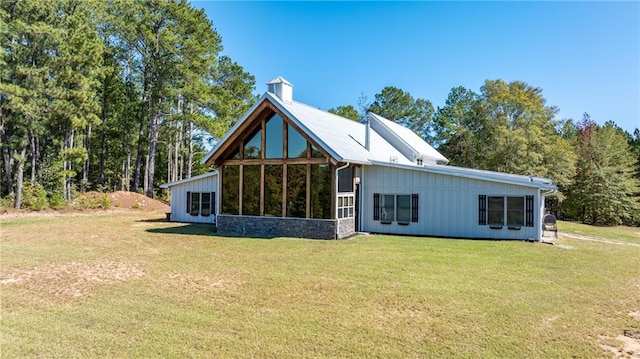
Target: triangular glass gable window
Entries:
(253, 147)
(297, 145)
(315, 153)
(273, 137)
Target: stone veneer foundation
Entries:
(268, 227)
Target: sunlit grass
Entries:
(124, 285)
(621, 233)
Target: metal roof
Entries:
(185, 180)
(344, 140)
(419, 147)
(518, 180)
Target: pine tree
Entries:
(605, 188)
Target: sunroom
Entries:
(277, 181)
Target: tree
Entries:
(605, 190)
(348, 111)
(455, 126)
(400, 107)
(505, 128)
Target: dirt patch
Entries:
(122, 199)
(629, 346)
(70, 280)
(595, 239)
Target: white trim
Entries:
(498, 177)
(186, 180)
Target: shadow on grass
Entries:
(194, 229)
(152, 220)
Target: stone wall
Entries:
(346, 227)
(268, 227)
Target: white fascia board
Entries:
(185, 180)
(478, 176)
(233, 129)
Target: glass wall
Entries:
(294, 180)
(230, 189)
(273, 190)
(321, 191)
(274, 133)
(251, 191)
(297, 191)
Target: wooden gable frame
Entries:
(236, 142)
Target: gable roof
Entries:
(342, 138)
(391, 144)
(405, 139)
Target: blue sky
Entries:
(584, 55)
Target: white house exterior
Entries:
(289, 169)
(194, 199)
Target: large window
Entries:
(297, 191)
(297, 145)
(515, 211)
(230, 189)
(277, 171)
(253, 147)
(251, 191)
(321, 191)
(200, 203)
(273, 190)
(495, 210)
(195, 204)
(402, 208)
(387, 208)
(273, 141)
(502, 210)
(205, 206)
(403, 211)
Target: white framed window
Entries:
(346, 203)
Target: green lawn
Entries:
(620, 233)
(125, 285)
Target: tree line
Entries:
(124, 95)
(111, 95)
(508, 127)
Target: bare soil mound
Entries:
(122, 199)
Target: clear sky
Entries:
(584, 55)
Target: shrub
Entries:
(34, 197)
(57, 202)
(105, 202)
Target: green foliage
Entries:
(606, 188)
(348, 111)
(34, 197)
(399, 106)
(57, 201)
(105, 202)
(505, 128)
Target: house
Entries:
(290, 169)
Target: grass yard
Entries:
(125, 285)
(619, 233)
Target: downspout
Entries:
(336, 194)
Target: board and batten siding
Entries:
(179, 199)
(447, 205)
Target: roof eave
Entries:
(478, 176)
(185, 180)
